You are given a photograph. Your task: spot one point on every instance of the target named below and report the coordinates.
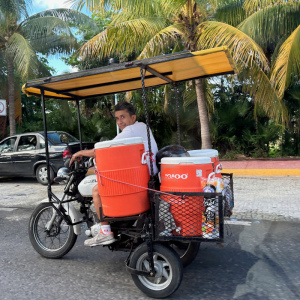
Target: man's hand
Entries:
(77, 156)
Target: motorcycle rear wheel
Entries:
(187, 251)
(56, 242)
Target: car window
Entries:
(42, 143)
(55, 139)
(8, 145)
(27, 142)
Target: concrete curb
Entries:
(262, 167)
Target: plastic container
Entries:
(184, 174)
(124, 177)
(213, 154)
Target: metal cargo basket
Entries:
(193, 216)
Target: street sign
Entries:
(2, 107)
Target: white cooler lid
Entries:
(204, 152)
(119, 142)
(185, 160)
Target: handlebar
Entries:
(82, 164)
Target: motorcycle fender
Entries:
(75, 216)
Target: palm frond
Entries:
(171, 7)
(25, 59)
(43, 26)
(15, 8)
(259, 87)
(91, 5)
(137, 8)
(70, 16)
(189, 96)
(161, 41)
(243, 49)
(231, 12)
(130, 35)
(287, 64)
(143, 8)
(49, 34)
(255, 5)
(270, 24)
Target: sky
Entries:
(41, 5)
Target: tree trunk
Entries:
(3, 128)
(11, 95)
(205, 135)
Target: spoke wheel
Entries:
(54, 242)
(167, 266)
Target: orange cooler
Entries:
(213, 154)
(123, 162)
(184, 174)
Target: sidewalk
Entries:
(252, 167)
(273, 198)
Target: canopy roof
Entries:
(124, 77)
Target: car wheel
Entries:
(41, 174)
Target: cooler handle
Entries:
(210, 177)
(144, 158)
(218, 168)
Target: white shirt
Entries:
(139, 129)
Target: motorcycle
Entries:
(54, 227)
(163, 239)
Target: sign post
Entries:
(3, 107)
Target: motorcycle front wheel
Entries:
(54, 242)
(168, 270)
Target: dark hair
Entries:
(125, 106)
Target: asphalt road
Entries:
(260, 259)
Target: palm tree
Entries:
(277, 31)
(275, 26)
(153, 27)
(22, 36)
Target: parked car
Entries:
(24, 154)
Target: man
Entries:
(126, 120)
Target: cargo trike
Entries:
(160, 221)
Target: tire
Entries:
(55, 243)
(168, 270)
(41, 174)
(186, 251)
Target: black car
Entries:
(24, 154)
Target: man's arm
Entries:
(78, 155)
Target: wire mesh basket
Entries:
(193, 216)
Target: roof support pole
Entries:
(150, 70)
(177, 112)
(147, 118)
(46, 142)
(78, 121)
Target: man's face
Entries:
(124, 119)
